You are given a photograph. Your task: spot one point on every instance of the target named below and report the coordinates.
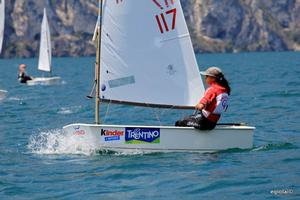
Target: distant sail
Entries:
(147, 55)
(95, 35)
(2, 22)
(45, 46)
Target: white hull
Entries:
(3, 94)
(45, 81)
(161, 139)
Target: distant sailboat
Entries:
(45, 55)
(3, 94)
(147, 59)
(2, 22)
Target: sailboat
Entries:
(3, 94)
(147, 59)
(45, 56)
(2, 22)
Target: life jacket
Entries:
(23, 78)
(216, 101)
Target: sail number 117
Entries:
(163, 24)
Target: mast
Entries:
(97, 66)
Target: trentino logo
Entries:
(142, 135)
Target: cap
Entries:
(213, 71)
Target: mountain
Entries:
(215, 26)
(244, 25)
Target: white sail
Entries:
(2, 22)
(45, 46)
(147, 55)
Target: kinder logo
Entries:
(142, 135)
(110, 135)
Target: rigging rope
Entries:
(107, 110)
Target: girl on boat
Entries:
(214, 102)
(22, 76)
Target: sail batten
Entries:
(45, 53)
(149, 105)
(178, 37)
(148, 55)
(2, 22)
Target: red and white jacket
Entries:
(215, 101)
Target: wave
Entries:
(266, 147)
(279, 146)
(69, 110)
(15, 99)
(281, 94)
(135, 152)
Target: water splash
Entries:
(58, 142)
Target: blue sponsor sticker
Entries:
(142, 135)
(112, 138)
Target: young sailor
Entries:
(214, 102)
(22, 77)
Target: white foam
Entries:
(131, 152)
(68, 110)
(14, 99)
(57, 142)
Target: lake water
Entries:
(37, 163)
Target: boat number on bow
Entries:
(163, 20)
(142, 135)
(78, 131)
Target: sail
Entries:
(2, 21)
(147, 55)
(96, 31)
(45, 46)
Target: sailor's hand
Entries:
(199, 106)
